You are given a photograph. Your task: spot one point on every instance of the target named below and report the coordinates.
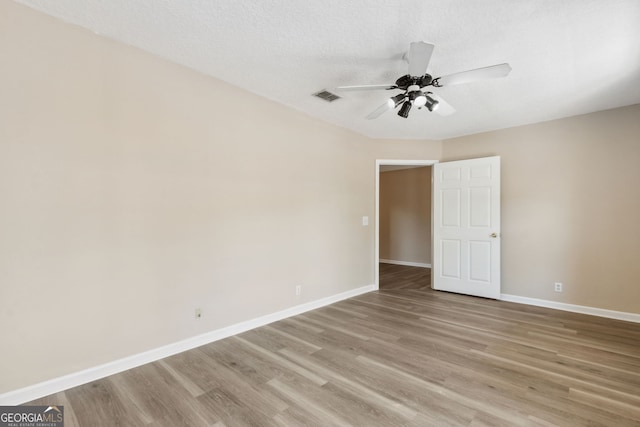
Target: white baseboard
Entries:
(407, 263)
(56, 385)
(611, 314)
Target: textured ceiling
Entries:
(568, 57)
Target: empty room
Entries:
(384, 213)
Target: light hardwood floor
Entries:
(402, 356)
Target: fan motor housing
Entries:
(408, 80)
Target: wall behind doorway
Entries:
(405, 215)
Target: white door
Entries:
(466, 227)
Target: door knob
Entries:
(494, 235)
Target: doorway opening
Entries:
(414, 254)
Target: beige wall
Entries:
(570, 204)
(133, 190)
(405, 215)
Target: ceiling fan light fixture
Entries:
(390, 103)
(420, 101)
(431, 103)
(397, 99)
(404, 110)
(417, 97)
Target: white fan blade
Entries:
(443, 108)
(388, 105)
(492, 72)
(419, 57)
(365, 87)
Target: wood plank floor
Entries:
(402, 356)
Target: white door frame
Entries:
(389, 162)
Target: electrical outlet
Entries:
(198, 313)
(298, 290)
(558, 287)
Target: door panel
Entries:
(479, 207)
(480, 261)
(466, 227)
(451, 259)
(451, 208)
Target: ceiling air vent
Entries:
(326, 95)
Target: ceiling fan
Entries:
(414, 83)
